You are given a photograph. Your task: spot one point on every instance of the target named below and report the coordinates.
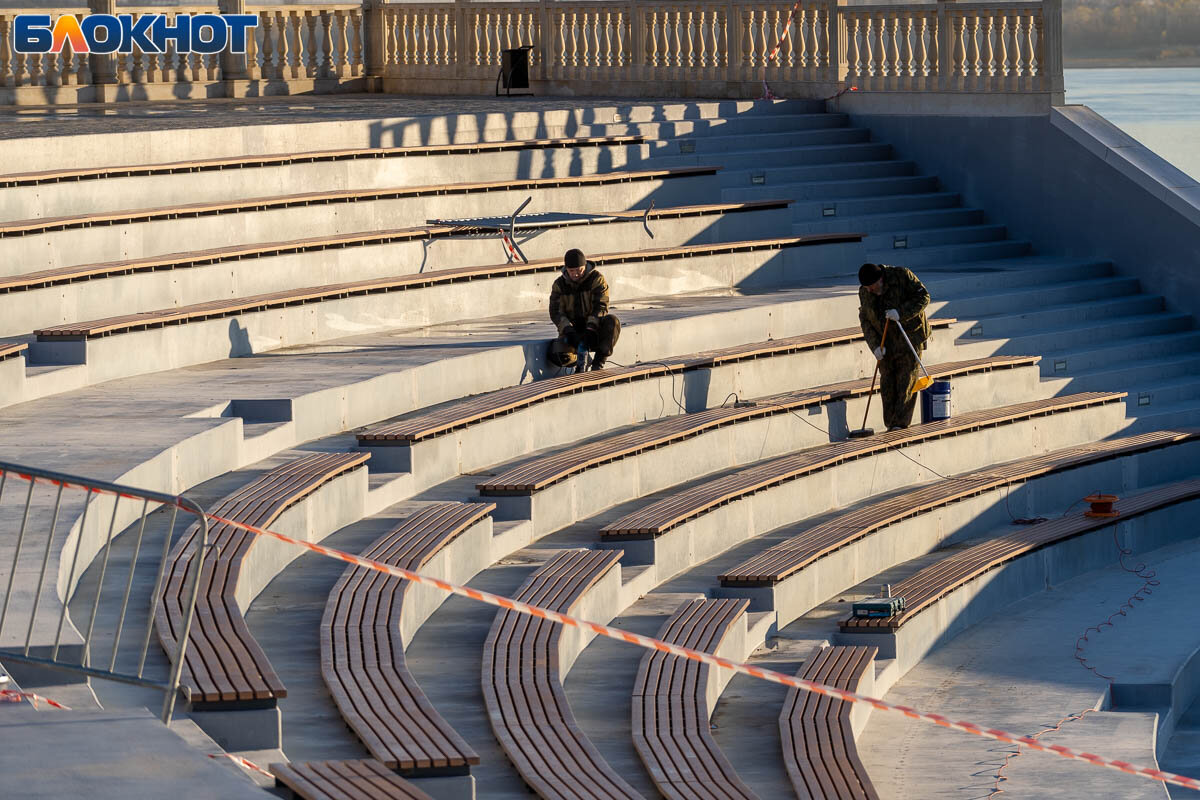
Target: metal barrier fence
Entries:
(109, 511)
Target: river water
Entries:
(1160, 107)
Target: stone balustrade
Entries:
(815, 48)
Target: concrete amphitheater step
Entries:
(1050, 293)
(1117, 349)
(54, 297)
(782, 157)
(67, 241)
(1063, 317)
(917, 258)
(847, 188)
(716, 146)
(1166, 378)
(63, 193)
(770, 175)
(880, 204)
(902, 221)
(903, 240)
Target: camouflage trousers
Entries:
(898, 373)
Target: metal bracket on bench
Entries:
(646, 220)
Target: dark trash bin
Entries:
(514, 69)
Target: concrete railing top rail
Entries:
(658, 518)
(777, 563)
(279, 159)
(232, 307)
(540, 473)
(33, 226)
(926, 587)
(239, 252)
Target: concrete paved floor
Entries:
(1016, 672)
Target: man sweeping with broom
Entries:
(894, 298)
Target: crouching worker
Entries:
(579, 309)
(894, 296)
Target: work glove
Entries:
(892, 314)
(593, 325)
(571, 337)
(879, 351)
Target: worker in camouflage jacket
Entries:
(579, 309)
(895, 294)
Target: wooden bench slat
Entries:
(663, 515)
(224, 662)
(818, 743)
(355, 779)
(527, 706)
(362, 651)
(671, 730)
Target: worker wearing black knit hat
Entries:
(579, 309)
(895, 294)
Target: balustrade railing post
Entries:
(374, 30)
(836, 45)
(1051, 62)
(945, 47)
(547, 42)
(103, 66)
(462, 41)
(233, 65)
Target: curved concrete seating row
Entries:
(695, 524)
(817, 732)
(170, 338)
(65, 192)
(63, 241)
(466, 435)
(946, 597)
(524, 661)
(368, 619)
(225, 667)
(785, 578)
(344, 780)
(51, 297)
(674, 698)
(563, 487)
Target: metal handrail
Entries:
(64, 482)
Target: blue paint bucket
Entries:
(935, 402)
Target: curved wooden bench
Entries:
(522, 688)
(362, 653)
(238, 252)
(658, 518)
(818, 742)
(777, 563)
(220, 309)
(344, 780)
(32, 226)
(539, 473)
(12, 350)
(281, 159)
(927, 586)
(670, 708)
(225, 667)
(489, 405)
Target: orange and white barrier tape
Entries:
(245, 762)
(651, 643)
(34, 699)
(706, 658)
